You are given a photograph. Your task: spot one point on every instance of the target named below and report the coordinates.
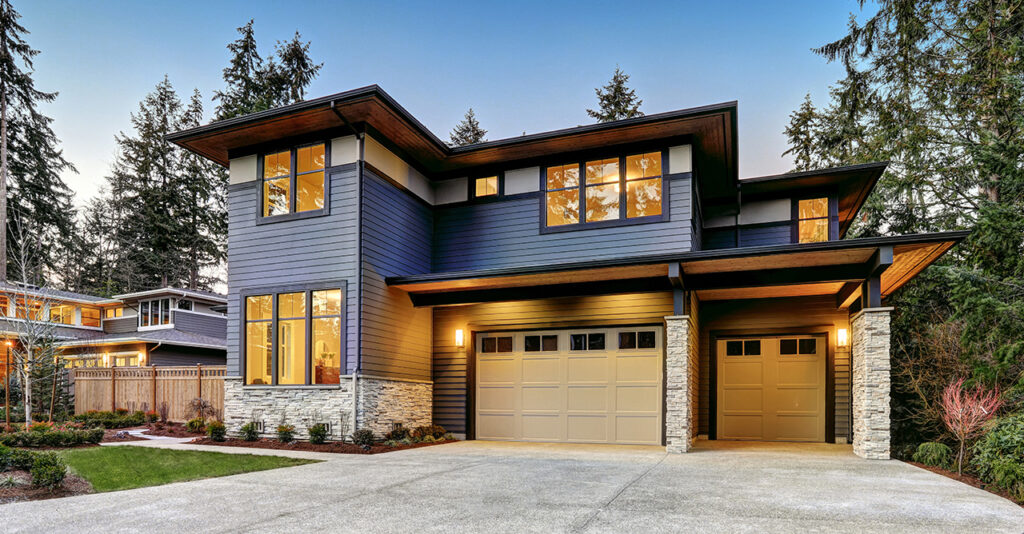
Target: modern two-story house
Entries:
(610, 283)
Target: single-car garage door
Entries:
(771, 388)
(598, 385)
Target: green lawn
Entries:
(126, 467)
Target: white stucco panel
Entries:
(522, 180)
(397, 169)
(680, 159)
(449, 191)
(241, 170)
(764, 211)
(344, 150)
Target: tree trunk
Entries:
(26, 395)
(53, 390)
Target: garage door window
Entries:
(637, 340)
(586, 341)
(540, 343)
(791, 347)
(750, 347)
(497, 344)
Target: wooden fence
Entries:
(149, 388)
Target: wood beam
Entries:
(845, 295)
(637, 285)
(851, 272)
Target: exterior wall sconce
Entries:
(142, 358)
(842, 338)
(460, 341)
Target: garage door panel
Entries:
(594, 394)
(743, 427)
(797, 427)
(497, 398)
(743, 399)
(542, 369)
(798, 373)
(588, 369)
(797, 399)
(543, 427)
(637, 368)
(638, 430)
(545, 398)
(587, 398)
(592, 428)
(743, 373)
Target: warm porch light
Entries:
(460, 342)
(841, 339)
(142, 358)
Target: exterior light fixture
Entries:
(142, 358)
(460, 341)
(842, 339)
(9, 343)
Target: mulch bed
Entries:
(970, 480)
(335, 447)
(22, 490)
(170, 430)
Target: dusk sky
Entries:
(522, 66)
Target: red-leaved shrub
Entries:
(965, 411)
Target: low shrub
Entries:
(285, 433)
(216, 431)
(21, 459)
(250, 432)
(196, 424)
(51, 438)
(434, 431)
(152, 416)
(397, 434)
(94, 435)
(363, 437)
(121, 411)
(318, 433)
(106, 419)
(40, 427)
(934, 454)
(48, 470)
(999, 455)
(5, 458)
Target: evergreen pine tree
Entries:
(802, 133)
(30, 158)
(616, 100)
(255, 84)
(468, 131)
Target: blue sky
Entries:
(522, 66)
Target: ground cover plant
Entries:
(117, 419)
(126, 467)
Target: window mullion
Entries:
(293, 181)
(622, 187)
(273, 339)
(582, 200)
(309, 336)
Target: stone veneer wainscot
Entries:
(681, 365)
(871, 383)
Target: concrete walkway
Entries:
(506, 487)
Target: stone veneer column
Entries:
(871, 383)
(680, 383)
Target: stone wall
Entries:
(681, 383)
(381, 403)
(871, 383)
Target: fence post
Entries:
(113, 388)
(199, 379)
(154, 388)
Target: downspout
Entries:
(360, 139)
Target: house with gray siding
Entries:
(610, 283)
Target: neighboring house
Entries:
(610, 283)
(165, 326)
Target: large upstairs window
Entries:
(611, 189)
(293, 180)
(293, 338)
(812, 220)
(155, 313)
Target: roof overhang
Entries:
(711, 128)
(137, 340)
(172, 292)
(828, 268)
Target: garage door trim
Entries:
(830, 370)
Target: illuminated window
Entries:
(90, 316)
(294, 317)
(62, 314)
(613, 189)
(33, 311)
(297, 188)
(812, 220)
(4, 305)
(602, 190)
(155, 312)
(563, 195)
(485, 187)
(113, 313)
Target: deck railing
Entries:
(149, 388)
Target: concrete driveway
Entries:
(506, 487)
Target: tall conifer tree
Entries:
(616, 101)
(468, 131)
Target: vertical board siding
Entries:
(451, 365)
(507, 234)
(771, 315)
(206, 325)
(303, 251)
(397, 232)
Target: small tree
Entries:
(468, 131)
(965, 411)
(616, 100)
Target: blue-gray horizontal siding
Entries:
(507, 234)
(175, 355)
(775, 234)
(200, 324)
(397, 232)
(303, 251)
(121, 325)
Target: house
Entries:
(166, 326)
(609, 283)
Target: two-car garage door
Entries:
(587, 386)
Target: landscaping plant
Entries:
(197, 424)
(999, 455)
(433, 431)
(318, 433)
(934, 454)
(397, 434)
(152, 416)
(965, 411)
(285, 433)
(48, 470)
(363, 437)
(250, 432)
(216, 431)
